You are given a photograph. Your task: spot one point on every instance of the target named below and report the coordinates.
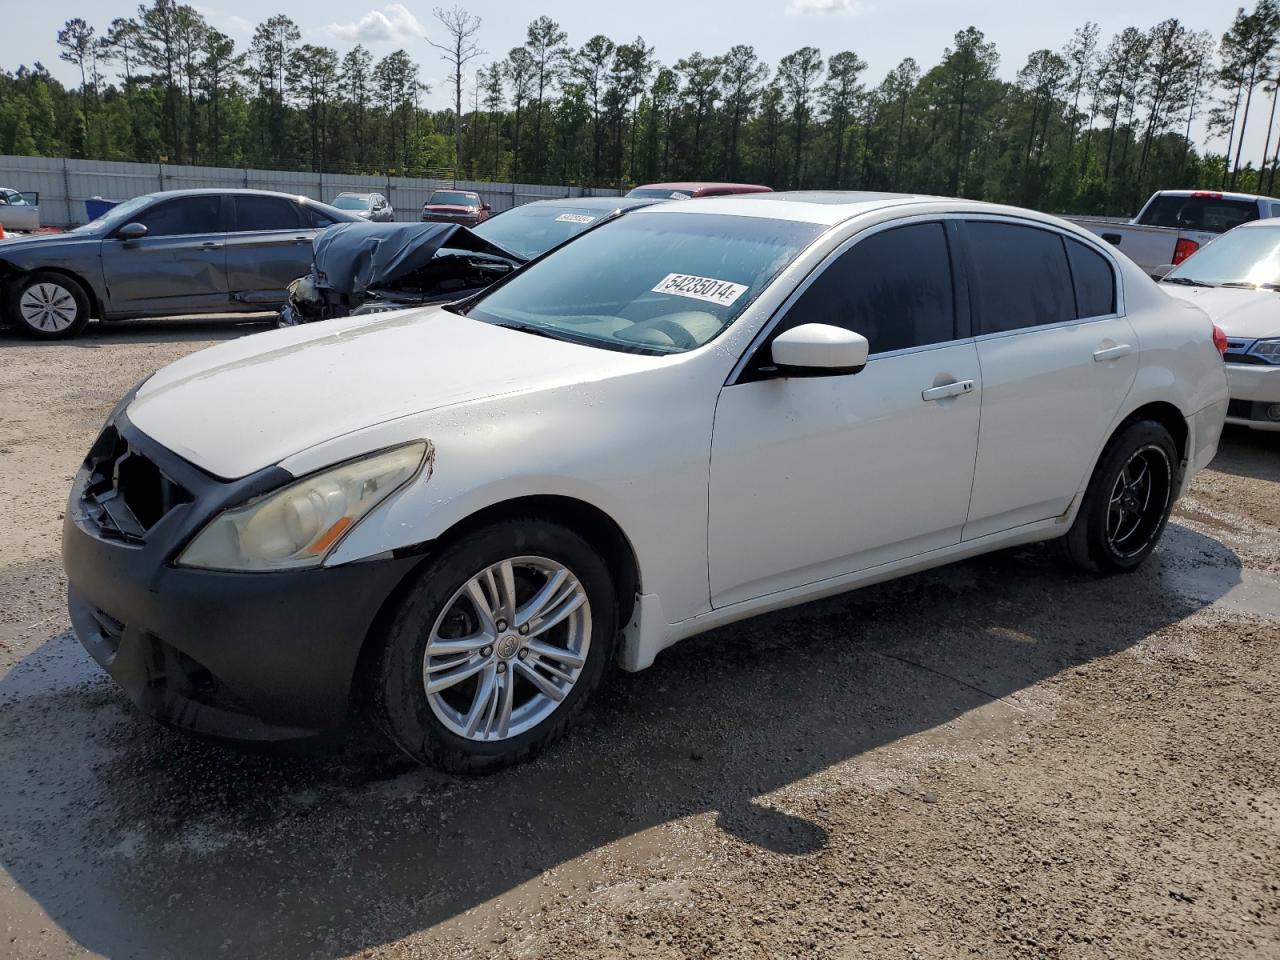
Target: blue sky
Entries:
(880, 31)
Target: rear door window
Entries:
(894, 287)
(182, 216)
(1214, 214)
(1094, 281)
(266, 213)
(1021, 274)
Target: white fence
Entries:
(64, 185)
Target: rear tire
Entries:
(48, 306)
(518, 689)
(1127, 503)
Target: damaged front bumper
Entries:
(243, 656)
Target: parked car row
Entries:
(455, 517)
(224, 251)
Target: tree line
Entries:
(1091, 127)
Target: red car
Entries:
(690, 190)
(455, 206)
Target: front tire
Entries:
(1127, 503)
(495, 647)
(48, 306)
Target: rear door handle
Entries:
(211, 245)
(954, 389)
(1112, 238)
(1112, 353)
(301, 239)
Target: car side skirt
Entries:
(648, 633)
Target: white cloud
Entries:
(853, 8)
(393, 24)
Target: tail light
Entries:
(1220, 339)
(1183, 249)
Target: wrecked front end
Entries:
(364, 268)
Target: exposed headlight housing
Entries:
(299, 525)
(1268, 350)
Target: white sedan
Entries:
(457, 517)
(1236, 280)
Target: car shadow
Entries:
(159, 330)
(1252, 454)
(140, 842)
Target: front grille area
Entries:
(126, 494)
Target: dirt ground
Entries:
(1001, 759)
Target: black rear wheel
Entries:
(1127, 502)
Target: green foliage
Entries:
(1090, 128)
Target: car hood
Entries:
(17, 245)
(244, 405)
(1247, 314)
(448, 208)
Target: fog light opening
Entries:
(1273, 411)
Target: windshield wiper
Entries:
(1240, 284)
(534, 329)
(1188, 281)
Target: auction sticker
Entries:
(574, 218)
(710, 289)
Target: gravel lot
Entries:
(999, 759)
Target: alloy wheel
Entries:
(507, 648)
(48, 306)
(1138, 500)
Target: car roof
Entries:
(1215, 195)
(594, 203)
(830, 207)
(808, 206)
(237, 191)
(693, 186)
(357, 193)
(454, 190)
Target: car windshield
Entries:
(117, 216)
(1247, 257)
(454, 197)
(535, 228)
(352, 201)
(648, 283)
(660, 193)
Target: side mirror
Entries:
(819, 350)
(1162, 271)
(485, 206)
(132, 231)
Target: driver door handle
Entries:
(954, 389)
(1112, 353)
(211, 245)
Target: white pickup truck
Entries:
(1174, 224)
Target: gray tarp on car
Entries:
(353, 259)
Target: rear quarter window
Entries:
(1093, 279)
